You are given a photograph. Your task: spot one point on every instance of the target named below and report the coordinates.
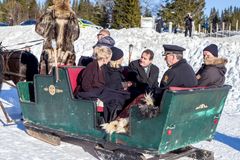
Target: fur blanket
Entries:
(59, 26)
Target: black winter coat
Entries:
(90, 82)
(180, 74)
(143, 82)
(212, 73)
(113, 95)
(188, 21)
(114, 77)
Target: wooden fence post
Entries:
(237, 25)
(223, 26)
(211, 26)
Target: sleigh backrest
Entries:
(73, 73)
(190, 115)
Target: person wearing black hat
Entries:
(115, 92)
(212, 72)
(143, 74)
(180, 73)
(114, 71)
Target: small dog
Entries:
(147, 107)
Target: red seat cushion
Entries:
(73, 74)
(185, 88)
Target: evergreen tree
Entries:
(86, 9)
(48, 3)
(100, 15)
(33, 9)
(214, 18)
(175, 11)
(107, 10)
(126, 14)
(147, 13)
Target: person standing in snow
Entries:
(59, 26)
(188, 25)
(212, 73)
(143, 74)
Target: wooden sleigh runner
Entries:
(187, 116)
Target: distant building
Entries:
(148, 22)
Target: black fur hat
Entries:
(116, 53)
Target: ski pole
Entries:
(130, 53)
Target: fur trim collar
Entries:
(215, 61)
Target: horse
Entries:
(18, 65)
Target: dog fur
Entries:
(147, 107)
(118, 126)
(215, 61)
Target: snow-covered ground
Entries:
(16, 144)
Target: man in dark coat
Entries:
(143, 74)
(188, 25)
(180, 73)
(212, 72)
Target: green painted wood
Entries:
(24, 92)
(188, 114)
(59, 111)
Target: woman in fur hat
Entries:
(212, 72)
(59, 26)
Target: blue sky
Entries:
(218, 4)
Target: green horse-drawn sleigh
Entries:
(187, 116)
